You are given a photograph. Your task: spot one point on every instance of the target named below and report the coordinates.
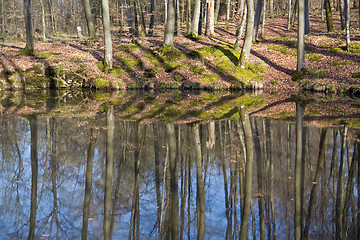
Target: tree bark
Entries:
(259, 6)
(301, 36)
(152, 17)
(43, 20)
(329, 20)
(240, 30)
(29, 48)
(307, 18)
(217, 10)
(170, 24)
(108, 61)
(141, 20)
(347, 22)
(178, 19)
(188, 16)
(209, 31)
(89, 19)
(196, 19)
(245, 52)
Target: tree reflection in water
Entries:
(239, 178)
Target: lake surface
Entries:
(124, 175)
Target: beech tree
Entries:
(209, 31)
(89, 19)
(245, 52)
(347, 22)
(170, 24)
(301, 36)
(329, 21)
(107, 35)
(196, 19)
(29, 48)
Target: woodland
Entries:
(275, 45)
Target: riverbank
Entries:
(203, 63)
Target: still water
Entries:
(108, 178)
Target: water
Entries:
(66, 176)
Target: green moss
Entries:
(210, 78)
(283, 49)
(227, 26)
(336, 63)
(315, 57)
(48, 54)
(274, 82)
(178, 77)
(197, 70)
(299, 75)
(336, 49)
(26, 51)
(116, 71)
(121, 84)
(150, 72)
(356, 75)
(101, 83)
(317, 73)
(129, 47)
(354, 47)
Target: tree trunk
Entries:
(347, 22)
(293, 16)
(209, 31)
(307, 18)
(89, 19)
(301, 36)
(341, 15)
(259, 6)
(188, 16)
(107, 35)
(141, 20)
(196, 19)
(263, 20)
(170, 24)
(228, 8)
(217, 10)
(152, 17)
(245, 52)
(29, 48)
(240, 30)
(271, 8)
(329, 21)
(43, 20)
(178, 19)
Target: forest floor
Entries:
(207, 62)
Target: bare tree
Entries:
(108, 60)
(29, 48)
